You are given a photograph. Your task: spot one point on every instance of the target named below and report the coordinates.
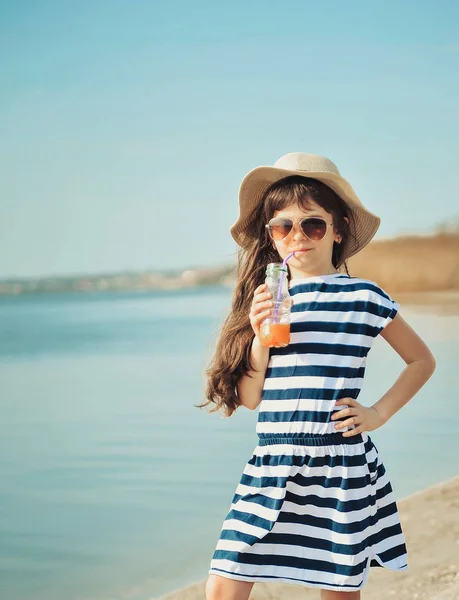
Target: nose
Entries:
(297, 232)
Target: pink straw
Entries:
(287, 258)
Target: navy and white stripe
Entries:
(313, 508)
(334, 321)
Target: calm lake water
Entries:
(112, 484)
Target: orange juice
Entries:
(275, 335)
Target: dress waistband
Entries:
(308, 439)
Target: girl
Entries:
(314, 506)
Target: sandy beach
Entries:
(430, 520)
(445, 303)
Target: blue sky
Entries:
(127, 126)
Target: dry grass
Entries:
(410, 263)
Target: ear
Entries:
(340, 239)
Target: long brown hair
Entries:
(231, 359)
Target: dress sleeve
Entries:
(381, 308)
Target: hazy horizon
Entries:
(178, 270)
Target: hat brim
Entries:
(256, 183)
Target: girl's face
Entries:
(311, 257)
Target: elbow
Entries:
(430, 365)
(254, 406)
(251, 405)
(250, 398)
(433, 365)
(425, 366)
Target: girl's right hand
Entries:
(261, 307)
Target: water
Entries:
(112, 484)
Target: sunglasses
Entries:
(313, 228)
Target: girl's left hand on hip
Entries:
(362, 417)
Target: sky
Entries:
(126, 127)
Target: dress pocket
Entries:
(372, 460)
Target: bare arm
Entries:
(420, 365)
(250, 386)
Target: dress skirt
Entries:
(314, 510)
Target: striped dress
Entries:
(312, 507)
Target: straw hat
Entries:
(364, 224)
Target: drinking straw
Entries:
(281, 281)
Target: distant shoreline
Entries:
(144, 281)
(401, 265)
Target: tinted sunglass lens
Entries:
(280, 228)
(314, 229)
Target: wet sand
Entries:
(430, 521)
